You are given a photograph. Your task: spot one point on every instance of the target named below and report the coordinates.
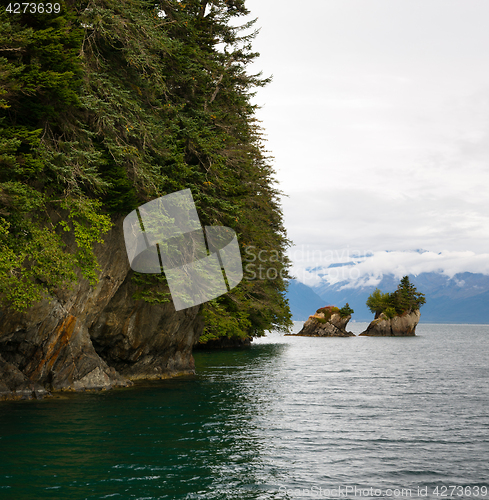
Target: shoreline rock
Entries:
(95, 338)
(398, 326)
(224, 343)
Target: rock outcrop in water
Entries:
(396, 313)
(403, 325)
(327, 322)
(95, 337)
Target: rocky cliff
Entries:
(95, 337)
(327, 322)
(398, 326)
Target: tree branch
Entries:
(203, 6)
(219, 80)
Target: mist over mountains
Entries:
(462, 298)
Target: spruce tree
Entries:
(405, 298)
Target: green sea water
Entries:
(290, 417)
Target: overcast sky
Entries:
(378, 119)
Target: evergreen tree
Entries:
(405, 299)
(112, 103)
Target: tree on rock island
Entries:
(403, 300)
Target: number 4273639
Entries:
(33, 8)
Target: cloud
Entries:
(368, 270)
(373, 219)
(377, 117)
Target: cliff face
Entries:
(318, 326)
(145, 341)
(95, 337)
(398, 326)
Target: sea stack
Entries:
(329, 321)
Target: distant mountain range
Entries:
(461, 299)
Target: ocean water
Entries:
(290, 417)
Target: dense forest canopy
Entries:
(112, 103)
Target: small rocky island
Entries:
(329, 321)
(397, 313)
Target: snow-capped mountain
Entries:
(462, 298)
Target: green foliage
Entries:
(45, 178)
(152, 288)
(112, 103)
(220, 323)
(88, 225)
(377, 302)
(346, 310)
(390, 312)
(33, 258)
(405, 299)
(32, 267)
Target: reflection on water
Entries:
(286, 414)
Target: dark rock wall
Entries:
(141, 340)
(95, 337)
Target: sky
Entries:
(378, 120)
